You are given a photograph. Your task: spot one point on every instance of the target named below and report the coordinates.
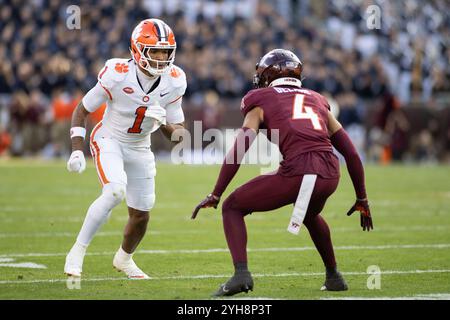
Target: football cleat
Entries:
(129, 267)
(240, 282)
(74, 260)
(334, 282)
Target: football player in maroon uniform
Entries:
(307, 132)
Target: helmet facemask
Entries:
(155, 67)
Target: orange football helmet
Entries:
(148, 35)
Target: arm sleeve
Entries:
(94, 98)
(344, 145)
(174, 112)
(233, 159)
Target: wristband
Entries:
(77, 132)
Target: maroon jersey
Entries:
(301, 118)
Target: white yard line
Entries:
(178, 232)
(9, 263)
(428, 296)
(75, 209)
(389, 229)
(99, 234)
(54, 234)
(213, 276)
(219, 250)
(26, 265)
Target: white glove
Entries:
(76, 162)
(158, 115)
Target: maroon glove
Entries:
(363, 207)
(210, 201)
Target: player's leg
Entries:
(135, 229)
(140, 168)
(263, 193)
(320, 232)
(109, 164)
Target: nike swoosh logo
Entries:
(163, 94)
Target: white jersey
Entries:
(128, 105)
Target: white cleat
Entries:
(74, 260)
(129, 267)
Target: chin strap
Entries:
(286, 82)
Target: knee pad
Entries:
(114, 193)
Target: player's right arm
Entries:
(344, 145)
(90, 102)
(233, 159)
(79, 117)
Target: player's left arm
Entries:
(232, 161)
(341, 141)
(170, 128)
(175, 120)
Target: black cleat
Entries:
(334, 282)
(240, 282)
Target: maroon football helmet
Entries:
(278, 63)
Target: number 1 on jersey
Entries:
(302, 112)
(140, 114)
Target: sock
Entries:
(122, 255)
(240, 267)
(96, 216)
(79, 247)
(235, 232)
(320, 235)
(99, 211)
(331, 271)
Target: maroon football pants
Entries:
(269, 192)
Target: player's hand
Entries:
(210, 201)
(363, 207)
(76, 162)
(158, 114)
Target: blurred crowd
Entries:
(46, 67)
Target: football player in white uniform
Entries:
(142, 94)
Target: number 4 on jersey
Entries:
(302, 112)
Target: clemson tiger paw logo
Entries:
(121, 67)
(175, 73)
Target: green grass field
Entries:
(42, 207)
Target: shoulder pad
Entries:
(323, 100)
(114, 71)
(252, 99)
(177, 78)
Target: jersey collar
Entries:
(286, 82)
(140, 73)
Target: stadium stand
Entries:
(391, 85)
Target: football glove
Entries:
(365, 218)
(76, 162)
(210, 201)
(158, 115)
